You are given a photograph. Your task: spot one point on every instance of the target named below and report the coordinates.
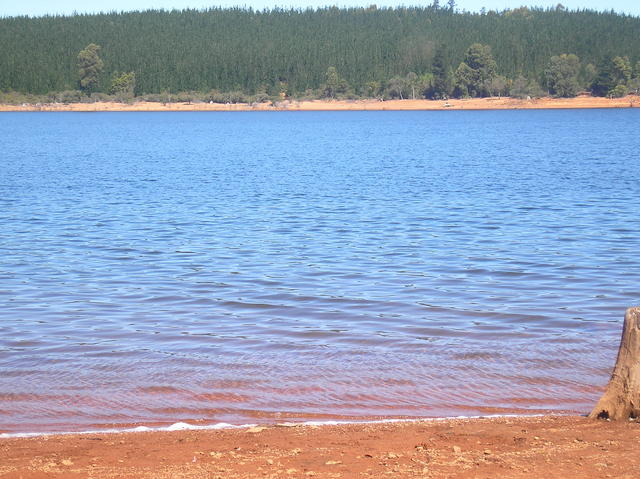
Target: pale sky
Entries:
(42, 7)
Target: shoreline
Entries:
(494, 103)
(195, 425)
(514, 447)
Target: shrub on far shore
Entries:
(260, 97)
(95, 97)
(523, 88)
(235, 96)
(17, 98)
(619, 91)
(153, 97)
(69, 96)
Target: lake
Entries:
(286, 266)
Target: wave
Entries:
(183, 426)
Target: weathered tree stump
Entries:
(621, 399)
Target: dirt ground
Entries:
(583, 101)
(564, 447)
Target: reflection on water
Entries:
(232, 266)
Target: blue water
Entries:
(157, 267)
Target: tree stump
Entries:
(621, 399)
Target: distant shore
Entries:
(506, 447)
(494, 103)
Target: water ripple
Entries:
(162, 267)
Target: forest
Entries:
(241, 54)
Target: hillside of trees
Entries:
(234, 54)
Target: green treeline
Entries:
(333, 52)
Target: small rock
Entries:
(256, 429)
(391, 455)
(331, 463)
(67, 462)
(270, 461)
(487, 452)
(457, 449)
(291, 471)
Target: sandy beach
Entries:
(531, 447)
(584, 101)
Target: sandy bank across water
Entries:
(549, 447)
(346, 105)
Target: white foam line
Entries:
(183, 426)
(179, 426)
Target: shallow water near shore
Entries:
(270, 266)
